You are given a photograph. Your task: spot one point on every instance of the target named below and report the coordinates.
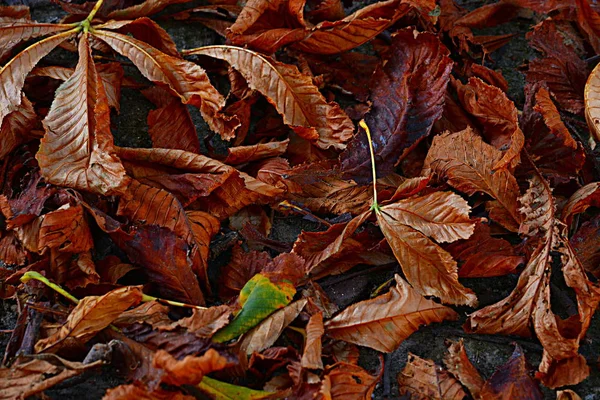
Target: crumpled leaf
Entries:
(529, 307)
(384, 322)
(30, 376)
(183, 78)
(260, 26)
(90, 316)
(591, 96)
(292, 93)
(458, 364)
(409, 225)
(190, 370)
(203, 323)
(421, 379)
(482, 255)
(311, 357)
(349, 382)
(265, 293)
(586, 244)
(268, 331)
(77, 149)
(467, 162)
(498, 116)
(415, 77)
(549, 142)
(585, 197)
(512, 381)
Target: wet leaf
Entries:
(292, 93)
(416, 76)
(387, 320)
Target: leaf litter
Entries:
(385, 130)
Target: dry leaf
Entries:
(384, 322)
(421, 379)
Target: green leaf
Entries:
(259, 298)
(225, 391)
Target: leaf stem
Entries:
(145, 298)
(29, 275)
(94, 11)
(375, 206)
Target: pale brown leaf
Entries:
(384, 322)
(311, 358)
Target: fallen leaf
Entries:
(422, 379)
(311, 357)
(30, 376)
(410, 224)
(386, 321)
(591, 96)
(90, 316)
(416, 75)
(512, 381)
(292, 93)
(458, 364)
(268, 330)
(190, 370)
(350, 382)
(467, 162)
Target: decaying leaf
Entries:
(385, 321)
(422, 379)
(458, 364)
(415, 76)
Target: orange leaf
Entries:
(386, 321)
(190, 370)
(311, 358)
(90, 316)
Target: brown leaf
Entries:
(166, 260)
(268, 331)
(421, 379)
(591, 96)
(458, 364)
(151, 312)
(137, 392)
(529, 305)
(183, 78)
(350, 382)
(512, 381)
(12, 75)
(416, 76)
(90, 316)
(15, 31)
(240, 269)
(203, 323)
(145, 30)
(467, 162)
(189, 176)
(190, 370)
(567, 395)
(311, 358)
(585, 197)
(27, 378)
(77, 149)
(260, 26)
(408, 226)
(17, 127)
(170, 125)
(549, 142)
(244, 154)
(292, 93)
(143, 9)
(498, 117)
(384, 322)
(483, 255)
(586, 244)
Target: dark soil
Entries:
(486, 352)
